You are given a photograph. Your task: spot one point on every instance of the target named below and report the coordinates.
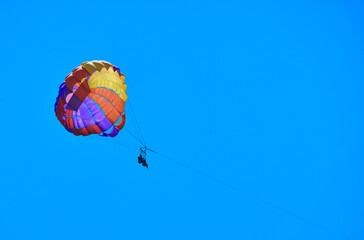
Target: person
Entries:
(141, 158)
(144, 163)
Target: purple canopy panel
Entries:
(77, 121)
(64, 91)
(113, 132)
(85, 116)
(104, 124)
(117, 69)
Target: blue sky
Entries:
(265, 96)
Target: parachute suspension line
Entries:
(136, 122)
(139, 139)
(134, 137)
(124, 144)
(251, 196)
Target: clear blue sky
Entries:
(266, 96)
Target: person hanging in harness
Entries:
(141, 157)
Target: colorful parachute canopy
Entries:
(92, 99)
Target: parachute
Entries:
(92, 99)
